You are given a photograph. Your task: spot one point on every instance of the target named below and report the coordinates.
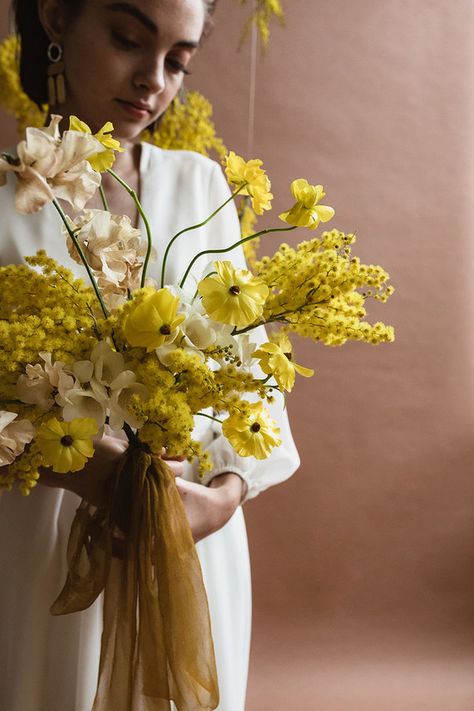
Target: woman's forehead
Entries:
(154, 12)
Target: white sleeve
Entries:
(258, 475)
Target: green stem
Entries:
(81, 255)
(209, 417)
(194, 227)
(233, 246)
(135, 199)
(103, 198)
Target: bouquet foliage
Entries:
(140, 359)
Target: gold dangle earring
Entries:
(56, 83)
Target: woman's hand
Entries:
(90, 482)
(208, 508)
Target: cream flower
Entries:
(233, 296)
(104, 388)
(44, 385)
(13, 436)
(49, 167)
(113, 249)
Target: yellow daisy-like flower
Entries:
(105, 159)
(154, 321)
(306, 212)
(276, 359)
(252, 432)
(257, 184)
(233, 296)
(66, 446)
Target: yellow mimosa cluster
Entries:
(318, 290)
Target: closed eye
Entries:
(125, 42)
(176, 66)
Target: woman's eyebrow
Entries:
(135, 12)
(145, 20)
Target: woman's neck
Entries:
(127, 166)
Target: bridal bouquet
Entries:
(124, 354)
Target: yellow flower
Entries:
(306, 212)
(154, 321)
(66, 446)
(276, 360)
(233, 296)
(257, 184)
(105, 159)
(252, 432)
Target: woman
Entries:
(123, 62)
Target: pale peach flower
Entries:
(113, 249)
(49, 166)
(13, 436)
(44, 385)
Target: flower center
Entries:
(67, 440)
(165, 330)
(255, 427)
(235, 289)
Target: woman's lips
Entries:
(135, 110)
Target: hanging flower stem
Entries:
(81, 255)
(232, 246)
(195, 227)
(209, 417)
(103, 198)
(135, 199)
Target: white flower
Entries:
(122, 389)
(103, 388)
(85, 403)
(44, 385)
(199, 330)
(13, 436)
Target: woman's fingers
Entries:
(176, 466)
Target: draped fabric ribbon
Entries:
(156, 643)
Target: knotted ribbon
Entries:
(156, 643)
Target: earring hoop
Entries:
(55, 52)
(56, 81)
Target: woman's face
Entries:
(125, 61)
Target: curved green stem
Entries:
(233, 246)
(103, 198)
(209, 417)
(135, 199)
(194, 227)
(81, 255)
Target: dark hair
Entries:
(34, 46)
(34, 43)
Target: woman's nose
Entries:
(152, 77)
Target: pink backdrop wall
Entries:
(363, 562)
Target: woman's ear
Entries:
(52, 17)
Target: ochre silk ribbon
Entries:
(156, 642)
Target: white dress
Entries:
(50, 663)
